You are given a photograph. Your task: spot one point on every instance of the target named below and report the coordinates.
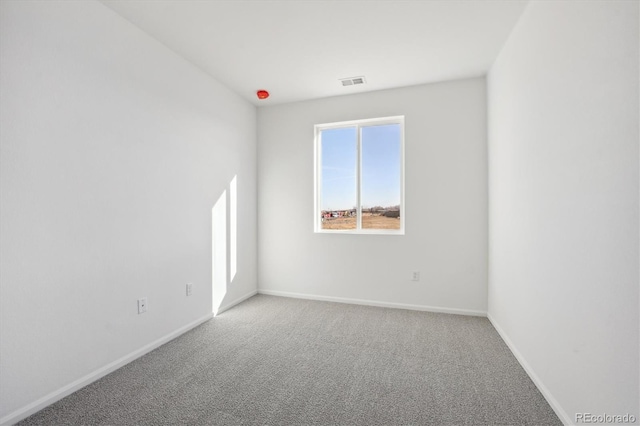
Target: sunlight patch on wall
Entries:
(219, 251)
(233, 227)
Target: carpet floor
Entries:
(280, 361)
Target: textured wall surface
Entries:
(563, 191)
(113, 153)
(445, 202)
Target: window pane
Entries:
(381, 176)
(338, 178)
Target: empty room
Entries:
(290, 212)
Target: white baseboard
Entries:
(374, 303)
(57, 395)
(235, 302)
(562, 415)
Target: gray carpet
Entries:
(279, 361)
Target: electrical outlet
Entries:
(189, 289)
(142, 305)
(415, 276)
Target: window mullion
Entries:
(359, 179)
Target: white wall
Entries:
(446, 203)
(563, 190)
(113, 152)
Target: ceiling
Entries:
(298, 50)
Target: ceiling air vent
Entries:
(352, 81)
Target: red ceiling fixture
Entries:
(262, 94)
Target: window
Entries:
(359, 181)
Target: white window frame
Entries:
(359, 124)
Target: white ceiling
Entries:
(298, 50)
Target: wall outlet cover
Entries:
(142, 305)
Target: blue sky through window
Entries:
(380, 166)
(381, 162)
(339, 156)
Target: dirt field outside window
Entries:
(369, 221)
